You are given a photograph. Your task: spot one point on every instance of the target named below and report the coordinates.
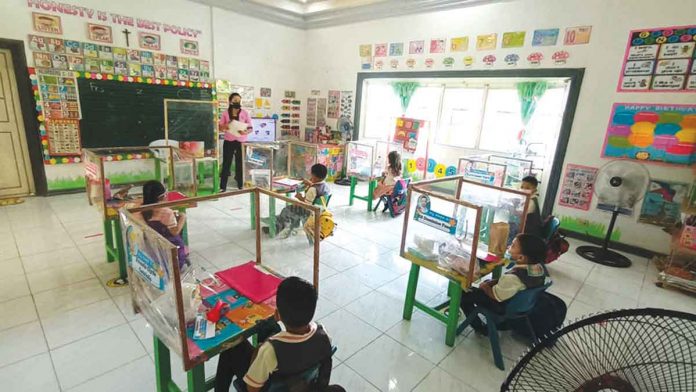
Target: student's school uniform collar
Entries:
(287, 337)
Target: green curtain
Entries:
(405, 91)
(530, 93)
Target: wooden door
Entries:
(15, 167)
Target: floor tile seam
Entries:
(62, 345)
(99, 375)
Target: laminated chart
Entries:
(660, 59)
(651, 132)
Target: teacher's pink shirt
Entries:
(243, 117)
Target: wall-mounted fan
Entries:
(619, 186)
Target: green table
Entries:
(372, 184)
(457, 283)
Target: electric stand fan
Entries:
(619, 185)
(345, 127)
(623, 351)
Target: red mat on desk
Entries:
(175, 196)
(250, 282)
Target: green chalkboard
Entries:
(132, 114)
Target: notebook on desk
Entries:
(250, 281)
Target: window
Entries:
(501, 121)
(460, 121)
(381, 108)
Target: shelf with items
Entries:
(680, 269)
(178, 297)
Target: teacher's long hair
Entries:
(229, 108)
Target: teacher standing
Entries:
(232, 146)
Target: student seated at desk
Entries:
(389, 177)
(165, 221)
(302, 346)
(528, 252)
(292, 216)
(534, 224)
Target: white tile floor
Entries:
(62, 329)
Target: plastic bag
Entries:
(454, 256)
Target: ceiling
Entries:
(312, 14)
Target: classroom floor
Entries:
(63, 329)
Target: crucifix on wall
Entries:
(126, 32)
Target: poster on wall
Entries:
(311, 112)
(578, 186)
(406, 132)
(459, 44)
(652, 133)
(321, 112)
(149, 41)
(365, 50)
(660, 60)
(662, 203)
(396, 49)
(188, 47)
(44, 23)
(58, 94)
(63, 137)
(333, 108)
(380, 50)
(545, 37)
(247, 93)
(437, 45)
(416, 47)
(577, 35)
(486, 41)
(346, 104)
(99, 33)
(513, 39)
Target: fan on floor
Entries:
(619, 186)
(345, 127)
(624, 351)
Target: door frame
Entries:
(574, 75)
(28, 108)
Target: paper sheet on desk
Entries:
(288, 182)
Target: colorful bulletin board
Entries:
(662, 203)
(406, 132)
(332, 110)
(290, 118)
(311, 112)
(578, 187)
(660, 59)
(652, 132)
(63, 137)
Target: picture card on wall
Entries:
(146, 57)
(652, 132)
(133, 55)
(120, 54)
(380, 50)
(486, 41)
(437, 45)
(577, 35)
(38, 43)
(396, 49)
(73, 47)
(513, 39)
(578, 186)
(660, 60)
(366, 50)
(416, 47)
(189, 47)
(366, 63)
(45, 23)
(545, 37)
(662, 203)
(459, 44)
(90, 50)
(42, 60)
(99, 33)
(149, 41)
(55, 45)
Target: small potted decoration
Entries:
(535, 58)
(512, 59)
(560, 57)
(489, 60)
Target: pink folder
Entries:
(250, 282)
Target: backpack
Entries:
(326, 223)
(397, 199)
(556, 246)
(548, 315)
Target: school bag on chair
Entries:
(556, 244)
(325, 221)
(395, 202)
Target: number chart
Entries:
(660, 60)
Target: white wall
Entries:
(333, 62)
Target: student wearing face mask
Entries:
(232, 147)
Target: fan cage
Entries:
(624, 350)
